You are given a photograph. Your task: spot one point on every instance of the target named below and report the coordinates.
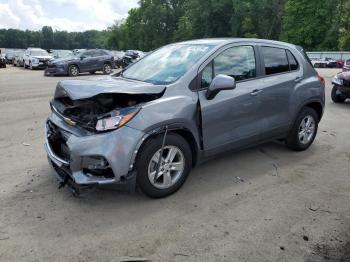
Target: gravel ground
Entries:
(262, 204)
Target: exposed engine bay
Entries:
(86, 112)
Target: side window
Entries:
(238, 62)
(88, 54)
(275, 60)
(293, 63)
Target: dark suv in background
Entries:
(82, 61)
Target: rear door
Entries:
(233, 118)
(282, 75)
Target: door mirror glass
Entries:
(220, 83)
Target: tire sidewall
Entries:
(104, 68)
(147, 151)
(70, 70)
(293, 138)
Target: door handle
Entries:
(256, 92)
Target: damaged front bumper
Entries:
(87, 159)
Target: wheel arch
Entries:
(182, 131)
(315, 104)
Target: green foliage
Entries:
(49, 39)
(344, 32)
(311, 23)
(314, 24)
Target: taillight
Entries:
(321, 78)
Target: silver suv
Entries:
(149, 125)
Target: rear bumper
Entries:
(117, 148)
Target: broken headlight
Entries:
(116, 118)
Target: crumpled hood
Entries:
(82, 89)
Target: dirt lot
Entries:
(262, 204)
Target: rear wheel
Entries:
(337, 96)
(175, 165)
(304, 130)
(107, 69)
(73, 70)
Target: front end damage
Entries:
(88, 141)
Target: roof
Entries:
(225, 41)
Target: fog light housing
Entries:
(97, 166)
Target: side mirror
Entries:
(220, 83)
(82, 57)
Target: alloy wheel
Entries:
(171, 167)
(307, 129)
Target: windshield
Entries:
(39, 53)
(166, 65)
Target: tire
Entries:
(298, 140)
(336, 97)
(107, 68)
(92, 72)
(73, 70)
(147, 160)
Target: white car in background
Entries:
(36, 58)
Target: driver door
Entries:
(234, 118)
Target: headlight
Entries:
(338, 81)
(116, 118)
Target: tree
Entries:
(311, 23)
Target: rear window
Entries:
(293, 64)
(275, 60)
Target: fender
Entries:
(172, 127)
(307, 102)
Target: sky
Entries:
(68, 15)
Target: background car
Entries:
(9, 55)
(346, 66)
(325, 63)
(2, 61)
(36, 58)
(118, 58)
(18, 58)
(82, 61)
(130, 57)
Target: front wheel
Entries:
(107, 69)
(73, 70)
(174, 166)
(337, 96)
(304, 130)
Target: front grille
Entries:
(58, 141)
